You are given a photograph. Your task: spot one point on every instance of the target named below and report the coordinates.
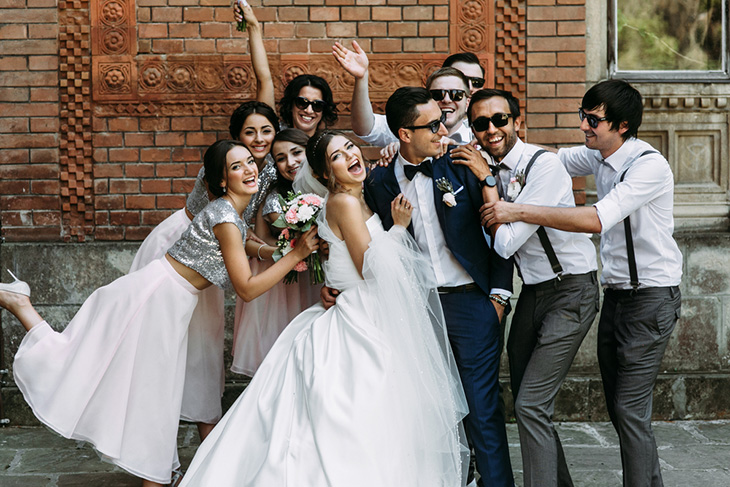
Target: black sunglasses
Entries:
(476, 82)
(593, 121)
(498, 120)
(454, 95)
(433, 126)
(302, 104)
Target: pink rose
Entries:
(312, 199)
(285, 233)
(301, 266)
(291, 215)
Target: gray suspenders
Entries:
(633, 273)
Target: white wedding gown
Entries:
(363, 394)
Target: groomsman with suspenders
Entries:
(642, 264)
(559, 297)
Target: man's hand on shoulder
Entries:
(467, 155)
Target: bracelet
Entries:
(499, 300)
(258, 252)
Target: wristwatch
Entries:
(488, 182)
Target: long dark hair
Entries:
(216, 169)
(329, 115)
(240, 114)
(317, 156)
(295, 136)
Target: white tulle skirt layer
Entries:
(259, 323)
(205, 373)
(339, 402)
(114, 376)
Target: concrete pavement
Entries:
(692, 453)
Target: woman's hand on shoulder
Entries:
(401, 209)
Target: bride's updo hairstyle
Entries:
(317, 156)
(216, 169)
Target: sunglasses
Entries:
(498, 120)
(593, 121)
(476, 82)
(454, 95)
(302, 104)
(433, 126)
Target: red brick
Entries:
(232, 46)
(27, 171)
(123, 124)
(14, 156)
(154, 155)
(29, 109)
(167, 14)
(42, 63)
(388, 13)
(186, 31)
(182, 185)
(170, 170)
(35, 202)
(199, 46)
(123, 155)
(569, 120)
(422, 44)
(152, 30)
(14, 187)
(341, 29)
(372, 29)
(28, 140)
(441, 13)
(355, 13)
(154, 217)
(324, 14)
(140, 202)
(541, 90)
(25, 15)
(215, 123)
(321, 45)
(28, 78)
(571, 59)
(571, 28)
(44, 124)
(540, 105)
(281, 30)
(168, 46)
(184, 155)
(541, 59)
(107, 140)
(575, 90)
(169, 139)
(41, 31)
(433, 29)
(417, 13)
(109, 233)
(154, 124)
(291, 46)
(13, 31)
(309, 30)
(108, 171)
(541, 29)
(137, 233)
(44, 94)
(14, 94)
(556, 74)
(185, 123)
(198, 14)
(403, 29)
(555, 13)
(387, 45)
(540, 120)
(223, 14)
(14, 125)
(45, 218)
(124, 218)
(155, 186)
(173, 201)
(371, 2)
(294, 14)
(101, 218)
(123, 186)
(144, 14)
(139, 170)
(100, 155)
(45, 187)
(216, 30)
(44, 155)
(13, 63)
(138, 140)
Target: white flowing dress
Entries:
(363, 394)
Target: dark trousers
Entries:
(550, 322)
(474, 333)
(632, 335)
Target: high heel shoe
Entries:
(17, 286)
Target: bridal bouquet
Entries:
(299, 213)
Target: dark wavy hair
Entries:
(621, 102)
(329, 115)
(240, 114)
(464, 57)
(295, 136)
(216, 169)
(317, 156)
(401, 109)
(514, 103)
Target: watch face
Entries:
(490, 181)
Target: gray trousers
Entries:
(550, 321)
(632, 335)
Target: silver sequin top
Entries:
(272, 205)
(198, 248)
(266, 177)
(198, 197)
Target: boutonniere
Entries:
(449, 196)
(514, 188)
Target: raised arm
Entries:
(259, 59)
(356, 63)
(247, 285)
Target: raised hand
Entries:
(243, 11)
(401, 209)
(354, 62)
(387, 154)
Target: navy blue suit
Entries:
(471, 320)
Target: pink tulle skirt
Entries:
(114, 376)
(205, 373)
(260, 322)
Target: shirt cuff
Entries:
(609, 214)
(502, 292)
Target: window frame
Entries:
(681, 76)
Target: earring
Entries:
(224, 190)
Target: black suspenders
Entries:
(541, 233)
(633, 273)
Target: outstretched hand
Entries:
(401, 209)
(498, 212)
(354, 62)
(243, 11)
(307, 243)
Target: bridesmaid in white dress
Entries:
(365, 393)
(114, 376)
(258, 324)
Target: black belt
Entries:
(464, 288)
(565, 278)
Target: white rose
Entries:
(449, 199)
(513, 189)
(305, 213)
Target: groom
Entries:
(474, 282)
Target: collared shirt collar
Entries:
(622, 154)
(400, 159)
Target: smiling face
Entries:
(345, 161)
(470, 70)
(602, 138)
(418, 144)
(241, 176)
(288, 157)
(455, 110)
(497, 141)
(307, 119)
(257, 134)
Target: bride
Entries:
(365, 393)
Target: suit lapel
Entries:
(439, 171)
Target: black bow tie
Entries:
(425, 167)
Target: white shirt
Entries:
(380, 135)
(647, 195)
(547, 184)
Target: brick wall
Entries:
(108, 106)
